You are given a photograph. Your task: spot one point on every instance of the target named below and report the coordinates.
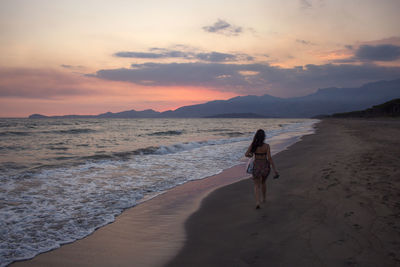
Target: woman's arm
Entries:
(248, 153)
(270, 159)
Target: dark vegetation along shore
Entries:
(388, 109)
(337, 203)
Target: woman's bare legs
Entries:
(257, 193)
(264, 191)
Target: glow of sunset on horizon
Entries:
(90, 57)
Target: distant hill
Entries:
(324, 101)
(388, 109)
(236, 115)
(149, 113)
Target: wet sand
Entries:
(148, 234)
(337, 203)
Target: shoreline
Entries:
(160, 220)
(203, 187)
(335, 204)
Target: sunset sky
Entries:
(93, 56)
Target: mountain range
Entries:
(324, 101)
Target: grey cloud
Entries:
(346, 60)
(223, 27)
(217, 26)
(384, 52)
(304, 42)
(186, 74)
(66, 66)
(159, 53)
(168, 53)
(371, 53)
(138, 55)
(305, 4)
(265, 79)
(216, 57)
(178, 54)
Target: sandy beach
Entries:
(337, 203)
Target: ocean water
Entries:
(60, 179)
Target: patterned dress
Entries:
(261, 169)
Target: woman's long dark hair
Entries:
(258, 140)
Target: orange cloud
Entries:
(27, 91)
(334, 55)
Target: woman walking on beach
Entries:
(262, 161)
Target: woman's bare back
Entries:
(261, 152)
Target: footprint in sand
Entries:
(351, 261)
(339, 242)
(396, 215)
(357, 226)
(392, 254)
(331, 185)
(348, 214)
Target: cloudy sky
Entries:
(93, 56)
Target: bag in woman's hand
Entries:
(250, 166)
